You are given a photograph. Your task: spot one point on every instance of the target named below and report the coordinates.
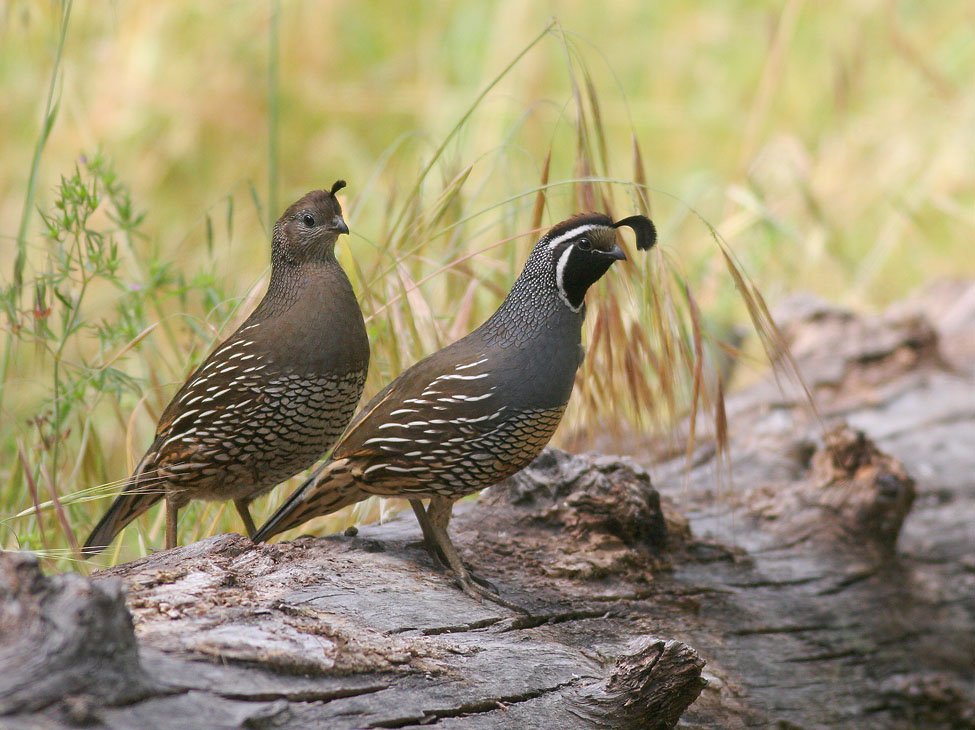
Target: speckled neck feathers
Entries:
(534, 301)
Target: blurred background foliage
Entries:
(148, 147)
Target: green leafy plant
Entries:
(87, 309)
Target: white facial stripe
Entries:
(572, 234)
(559, 273)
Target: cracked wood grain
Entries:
(361, 631)
(833, 587)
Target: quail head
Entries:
(271, 398)
(480, 409)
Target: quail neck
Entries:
(550, 292)
(303, 253)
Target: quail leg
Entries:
(171, 511)
(245, 515)
(433, 547)
(437, 516)
(429, 541)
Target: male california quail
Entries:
(272, 397)
(480, 409)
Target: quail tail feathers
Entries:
(137, 496)
(307, 501)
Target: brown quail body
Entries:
(272, 397)
(480, 409)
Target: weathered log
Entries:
(831, 585)
(57, 634)
(360, 631)
(849, 601)
(647, 690)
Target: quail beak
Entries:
(338, 225)
(615, 253)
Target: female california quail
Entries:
(480, 409)
(272, 397)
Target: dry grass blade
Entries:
(785, 354)
(86, 454)
(678, 333)
(595, 375)
(720, 419)
(636, 382)
(89, 494)
(698, 375)
(446, 267)
(615, 329)
(462, 320)
(32, 487)
(583, 185)
(60, 511)
(539, 209)
(131, 344)
(585, 189)
(596, 339)
(576, 94)
(597, 124)
(663, 366)
(771, 343)
(662, 416)
(608, 208)
(776, 349)
(449, 196)
(640, 178)
(130, 449)
(906, 48)
(214, 522)
(412, 199)
(422, 323)
(772, 75)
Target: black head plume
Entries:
(336, 186)
(646, 233)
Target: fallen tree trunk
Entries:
(832, 587)
(359, 631)
(844, 594)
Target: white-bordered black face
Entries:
(582, 248)
(582, 251)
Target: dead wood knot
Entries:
(57, 633)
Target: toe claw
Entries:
(480, 589)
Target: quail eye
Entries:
(308, 220)
(584, 244)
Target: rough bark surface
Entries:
(832, 585)
(359, 631)
(57, 633)
(841, 593)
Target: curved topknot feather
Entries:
(646, 233)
